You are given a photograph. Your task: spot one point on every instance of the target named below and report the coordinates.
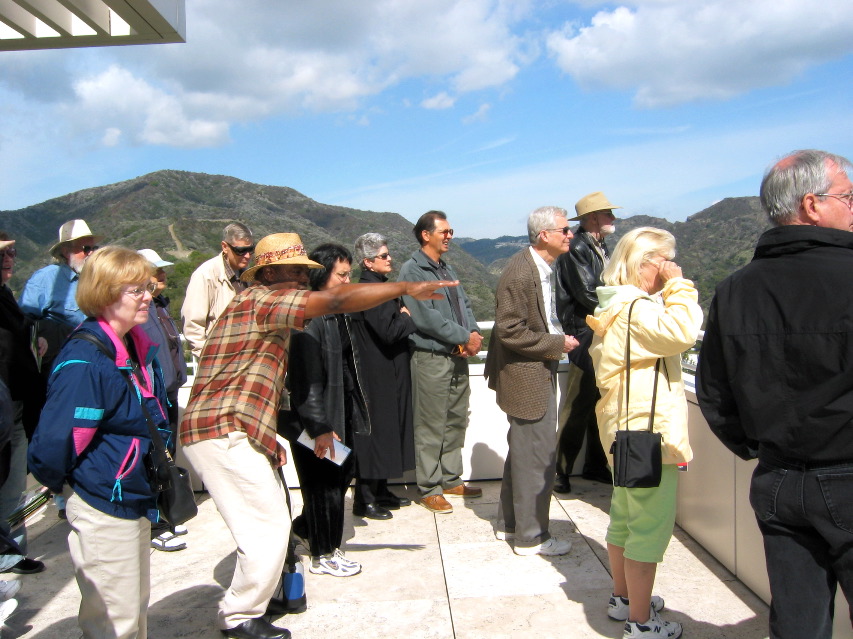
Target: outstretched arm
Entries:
(350, 298)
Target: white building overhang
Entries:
(61, 24)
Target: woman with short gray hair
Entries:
(381, 335)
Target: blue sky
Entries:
(485, 109)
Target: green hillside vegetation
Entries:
(181, 215)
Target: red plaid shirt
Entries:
(240, 377)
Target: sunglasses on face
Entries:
(382, 256)
(87, 248)
(242, 250)
(10, 252)
(565, 230)
(444, 232)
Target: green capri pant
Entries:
(642, 519)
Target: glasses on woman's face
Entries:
(139, 291)
(9, 252)
(382, 256)
(344, 275)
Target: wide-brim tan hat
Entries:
(70, 231)
(279, 248)
(5, 243)
(591, 203)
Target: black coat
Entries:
(18, 365)
(776, 368)
(381, 334)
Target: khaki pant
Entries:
(440, 393)
(112, 563)
(249, 494)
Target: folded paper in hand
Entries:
(341, 451)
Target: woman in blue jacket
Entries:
(93, 437)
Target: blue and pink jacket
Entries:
(92, 433)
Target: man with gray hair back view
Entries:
(775, 382)
(521, 367)
(214, 284)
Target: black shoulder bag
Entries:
(637, 453)
(175, 499)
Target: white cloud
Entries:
(439, 101)
(479, 115)
(117, 101)
(675, 51)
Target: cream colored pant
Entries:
(112, 563)
(249, 494)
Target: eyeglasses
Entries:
(848, 197)
(444, 232)
(385, 256)
(344, 275)
(140, 291)
(10, 252)
(89, 249)
(242, 250)
(565, 230)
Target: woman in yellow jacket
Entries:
(664, 322)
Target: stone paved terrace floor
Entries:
(425, 576)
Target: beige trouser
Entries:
(249, 494)
(112, 563)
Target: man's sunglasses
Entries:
(11, 251)
(242, 250)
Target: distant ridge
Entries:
(711, 244)
(181, 214)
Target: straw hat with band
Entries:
(279, 248)
(70, 231)
(592, 203)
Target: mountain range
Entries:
(181, 215)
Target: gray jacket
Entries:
(437, 329)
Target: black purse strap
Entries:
(160, 449)
(628, 375)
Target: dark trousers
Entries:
(806, 518)
(324, 485)
(582, 422)
(367, 491)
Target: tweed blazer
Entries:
(522, 353)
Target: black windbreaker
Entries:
(775, 372)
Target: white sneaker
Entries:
(654, 628)
(552, 547)
(617, 609)
(331, 565)
(339, 555)
(9, 589)
(6, 609)
(502, 535)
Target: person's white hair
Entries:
(545, 217)
(637, 247)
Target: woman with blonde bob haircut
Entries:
(642, 282)
(93, 438)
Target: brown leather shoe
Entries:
(464, 491)
(436, 504)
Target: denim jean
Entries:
(805, 513)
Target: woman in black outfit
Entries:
(326, 401)
(381, 335)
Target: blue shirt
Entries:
(50, 293)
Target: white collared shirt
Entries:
(547, 281)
